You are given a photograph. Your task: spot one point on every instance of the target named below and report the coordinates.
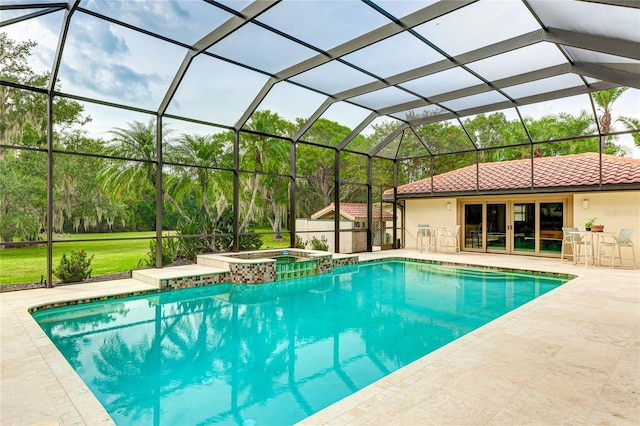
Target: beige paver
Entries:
(570, 356)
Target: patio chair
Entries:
(610, 247)
(569, 239)
(449, 239)
(425, 239)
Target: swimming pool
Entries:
(278, 352)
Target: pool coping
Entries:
(472, 265)
(37, 384)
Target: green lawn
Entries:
(30, 263)
(269, 243)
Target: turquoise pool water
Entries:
(276, 353)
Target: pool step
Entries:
(215, 269)
(184, 276)
(213, 260)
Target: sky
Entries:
(112, 63)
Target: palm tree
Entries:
(138, 143)
(605, 99)
(264, 153)
(209, 151)
(210, 188)
(632, 123)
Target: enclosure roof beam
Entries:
(614, 75)
(321, 109)
(357, 130)
(481, 88)
(634, 4)
(53, 78)
(608, 45)
(256, 102)
(48, 10)
(574, 91)
(388, 140)
(446, 64)
(590, 42)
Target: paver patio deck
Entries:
(572, 356)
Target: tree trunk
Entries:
(324, 187)
(605, 127)
(276, 223)
(176, 206)
(252, 203)
(205, 202)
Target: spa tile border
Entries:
(193, 281)
(104, 298)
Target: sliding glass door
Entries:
(515, 227)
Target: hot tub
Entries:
(271, 265)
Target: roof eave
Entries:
(517, 191)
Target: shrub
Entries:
(248, 241)
(76, 267)
(168, 253)
(319, 244)
(300, 244)
(190, 247)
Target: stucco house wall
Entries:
(353, 224)
(350, 242)
(432, 212)
(615, 210)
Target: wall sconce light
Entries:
(448, 206)
(585, 204)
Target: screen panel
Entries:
(113, 63)
(215, 91)
(308, 21)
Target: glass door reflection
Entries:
(524, 227)
(473, 226)
(551, 222)
(496, 227)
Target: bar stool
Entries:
(609, 244)
(569, 239)
(425, 239)
(449, 239)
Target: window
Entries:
(519, 213)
